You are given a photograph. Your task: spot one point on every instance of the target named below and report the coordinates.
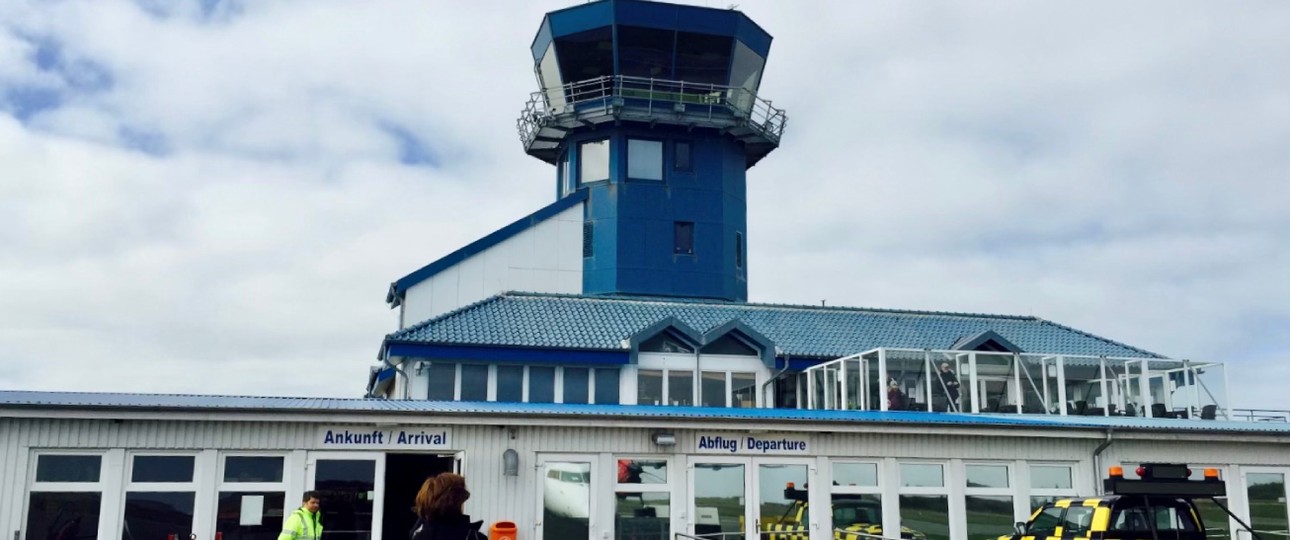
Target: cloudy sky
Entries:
(213, 196)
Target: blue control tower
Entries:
(652, 109)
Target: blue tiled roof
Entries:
(539, 320)
(167, 403)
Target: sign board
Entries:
(746, 444)
(383, 438)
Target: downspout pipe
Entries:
(775, 376)
(1097, 462)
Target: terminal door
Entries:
(351, 485)
(744, 497)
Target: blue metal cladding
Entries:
(634, 220)
(700, 20)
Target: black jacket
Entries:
(447, 528)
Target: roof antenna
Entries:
(821, 303)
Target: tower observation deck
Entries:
(652, 108)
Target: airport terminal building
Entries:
(631, 391)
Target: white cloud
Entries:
(1117, 168)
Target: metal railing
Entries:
(1261, 415)
(649, 98)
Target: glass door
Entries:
(740, 497)
(566, 508)
(1265, 491)
(349, 485)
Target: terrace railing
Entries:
(647, 99)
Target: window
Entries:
(680, 387)
(743, 390)
(665, 387)
(593, 161)
(739, 250)
(857, 497)
(649, 387)
(586, 55)
(252, 497)
(510, 384)
(66, 496)
(576, 385)
(566, 181)
(588, 232)
(924, 499)
(683, 238)
(607, 386)
(1049, 483)
(541, 384)
(644, 159)
(681, 156)
(642, 499)
(702, 58)
(988, 500)
(665, 342)
(441, 382)
(474, 382)
(712, 389)
(645, 52)
(159, 498)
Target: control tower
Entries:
(652, 110)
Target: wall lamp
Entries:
(510, 463)
(664, 439)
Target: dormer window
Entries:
(665, 343)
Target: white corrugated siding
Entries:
(496, 497)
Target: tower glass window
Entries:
(586, 55)
(702, 58)
(549, 71)
(593, 161)
(644, 159)
(588, 232)
(683, 235)
(645, 52)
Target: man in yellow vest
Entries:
(304, 523)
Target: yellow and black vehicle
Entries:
(857, 515)
(1159, 505)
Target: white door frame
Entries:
(378, 495)
(752, 486)
(1246, 512)
(595, 488)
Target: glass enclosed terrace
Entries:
(1019, 383)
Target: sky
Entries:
(213, 196)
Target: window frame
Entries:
(65, 487)
(677, 227)
(676, 153)
(662, 159)
(609, 152)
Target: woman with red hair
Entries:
(439, 510)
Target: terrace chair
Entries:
(1080, 407)
(1158, 410)
(1209, 412)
